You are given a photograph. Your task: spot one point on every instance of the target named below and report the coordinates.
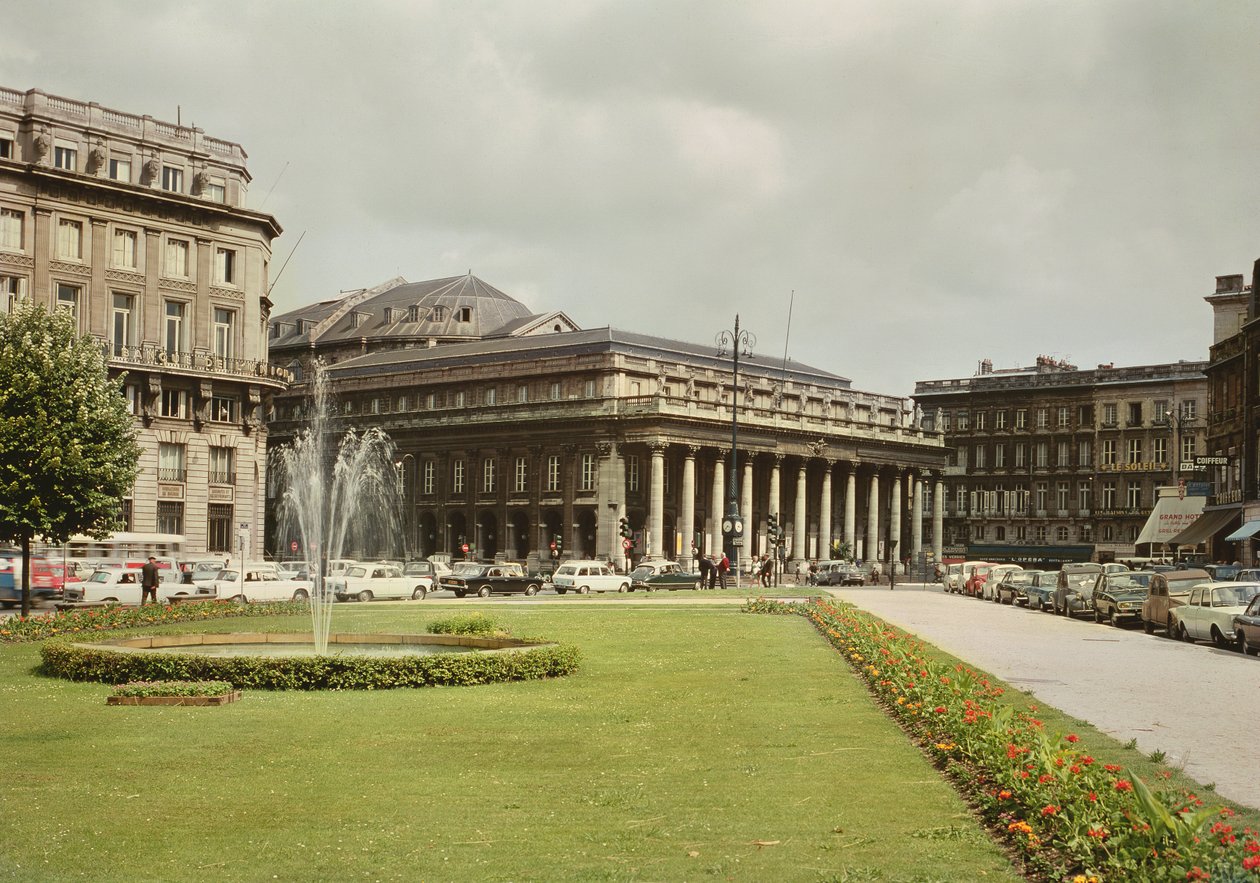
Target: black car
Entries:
(1118, 597)
(484, 580)
(1011, 590)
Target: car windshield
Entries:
(417, 567)
(1126, 581)
(356, 571)
(1233, 596)
(566, 570)
(641, 572)
(207, 567)
(1081, 580)
(464, 568)
(101, 576)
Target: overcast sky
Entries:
(937, 182)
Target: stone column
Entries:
(746, 510)
(895, 552)
(719, 494)
(687, 517)
(871, 552)
(938, 519)
(774, 506)
(799, 527)
(916, 519)
(850, 508)
(824, 513)
(656, 501)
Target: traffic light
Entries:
(625, 531)
(772, 528)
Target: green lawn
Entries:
(690, 736)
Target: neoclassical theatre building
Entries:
(516, 430)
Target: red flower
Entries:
(1251, 863)
(940, 709)
(1124, 785)
(1049, 810)
(1072, 737)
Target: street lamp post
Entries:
(732, 523)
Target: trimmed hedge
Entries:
(341, 672)
(173, 688)
(115, 617)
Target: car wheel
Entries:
(484, 592)
(1115, 619)
(115, 600)
(419, 593)
(1247, 648)
(1218, 640)
(240, 600)
(699, 585)
(584, 590)
(1183, 633)
(531, 589)
(623, 588)
(997, 598)
(561, 591)
(459, 593)
(1148, 626)
(301, 595)
(364, 596)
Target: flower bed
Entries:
(1071, 817)
(79, 623)
(173, 693)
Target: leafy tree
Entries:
(68, 451)
(841, 551)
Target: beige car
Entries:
(1168, 590)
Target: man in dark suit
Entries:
(149, 579)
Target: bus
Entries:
(123, 547)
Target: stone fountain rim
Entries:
(174, 642)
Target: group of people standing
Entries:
(713, 570)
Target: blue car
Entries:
(1040, 591)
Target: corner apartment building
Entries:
(139, 229)
(1051, 463)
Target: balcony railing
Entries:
(172, 473)
(222, 476)
(199, 361)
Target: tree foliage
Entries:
(68, 451)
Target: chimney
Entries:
(1230, 284)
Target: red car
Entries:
(974, 586)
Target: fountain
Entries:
(359, 505)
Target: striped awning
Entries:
(1208, 524)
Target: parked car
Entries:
(367, 582)
(1208, 614)
(1248, 575)
(1115, 567)
(1168, 590)
(263, 584)
(952, 578)
(839, 573)
(958, 581)
(1118, 596)
(976, 578)
(1247, 627)
(651, 575)
(1040, 592)
(120, 584)
(202, 571)
(484, 580)
(1074, 591)
(1011, 589)
(1222, 572)
(586, 576)
(988, 589)
(426, 573)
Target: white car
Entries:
(365, 582)
(1209, 613)
(586, 576)
(989, 590)
(256, 584)
(122, 585)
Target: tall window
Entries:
(553, 473)
(1084, 453)
(224, 328)
(68, 298)
(1135, 450)
(428, 479)
(12, 288)
(999, 455)
(999, 420)
(1063, 454)
(980, 458)
(1109, 414)
(124, 322)
(66, 158)
(225, 409)
(120, 170)
(123, 253)
(175, 403)
(1135, 495)
(12, 224)
(172, 179)
(1042, 418)
(1109, 495)
(6, 145)
(174, 331)
(1160, 450)
(1189, 447)
(488, 475)
(177, 258)
(555, 390)
(632, 473)
(1021, 418)
(215, 190)
(1188, 408)
(170, 517)
(457, 476)
(981, 419)
(1020, 460)
(219, 524)
(225, 266)
(1042, 452)
(69, 240)
(1043, 493)
(222, 465)
(1135, 413)
(522, 393)
(1109, 452)
(1063, 416)
(520, 483)
(170, 462)
(1083, 495)
(491, 395)
(1161, 412)
(1063, 491)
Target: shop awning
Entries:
(1208, 524)
(1170, 517)
(1246, 532)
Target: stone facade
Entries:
(535, 430)
(1051, 463)
(139, 227)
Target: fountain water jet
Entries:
(359, 501)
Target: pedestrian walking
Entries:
(767, 570)
(149, 579)
(723, 566)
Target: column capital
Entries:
(603, 448)
(778, 458)
(690, 451)
(657, 446)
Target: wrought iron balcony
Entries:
(151, 356)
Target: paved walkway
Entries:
(1197, 704)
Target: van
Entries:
(585, 576)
